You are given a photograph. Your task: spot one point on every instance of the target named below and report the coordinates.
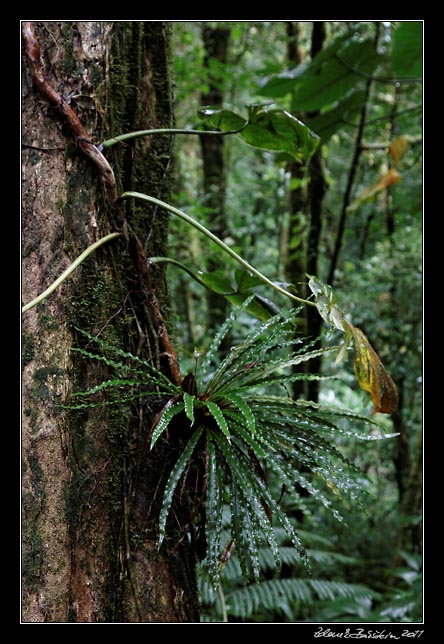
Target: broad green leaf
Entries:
(259, 307)
(267, 128)
(218, 282)
(281, 84)
(225, 120)
(325, 124)
(173, 480)
(407, 50)
(245, 280)
(330, 78)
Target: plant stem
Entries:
(69, 270)
(140, 133)
(219, 242)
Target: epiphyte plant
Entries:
(237, 416)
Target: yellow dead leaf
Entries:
(372, 375)
(398, 148)
(388, 179)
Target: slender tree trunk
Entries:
(215, 41)
(306, 219)
(91, 492)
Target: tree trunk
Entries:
(91, 492)
(305, 232)
(215, 42)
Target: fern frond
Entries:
(272, 594)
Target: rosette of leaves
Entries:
(238, 412)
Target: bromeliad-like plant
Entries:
(239, 412)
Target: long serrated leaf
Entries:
(124, 354)
(121, 400)
(252, 490)
(189, 406)
(219, 417)
(245, 409)
(214, 507)
(248, 439)
(173, 481)
(163, 419)
(151, 377)
(211, 353)
(107, 384)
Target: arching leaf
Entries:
(164, 417)
(173, 480)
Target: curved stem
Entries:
(69, 270)
(216, 240)
(139, 133)
(195, 276)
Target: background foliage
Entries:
(360, 93)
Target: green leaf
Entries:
(219, 417)
(275, 129)
(225, 120)
(245, 280)
(281, 84)
(325, 302)
(268, 128)
(251, 493)
(163, 419)
(173, 480)
(325, 124)
(259, 307)
(189, 406)
(407, 50)
(245, 409)
(218, 282)
(214, 507)
(331, 76)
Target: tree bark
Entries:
(215, 40)
(91, 493)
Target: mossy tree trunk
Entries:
(91, 492)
